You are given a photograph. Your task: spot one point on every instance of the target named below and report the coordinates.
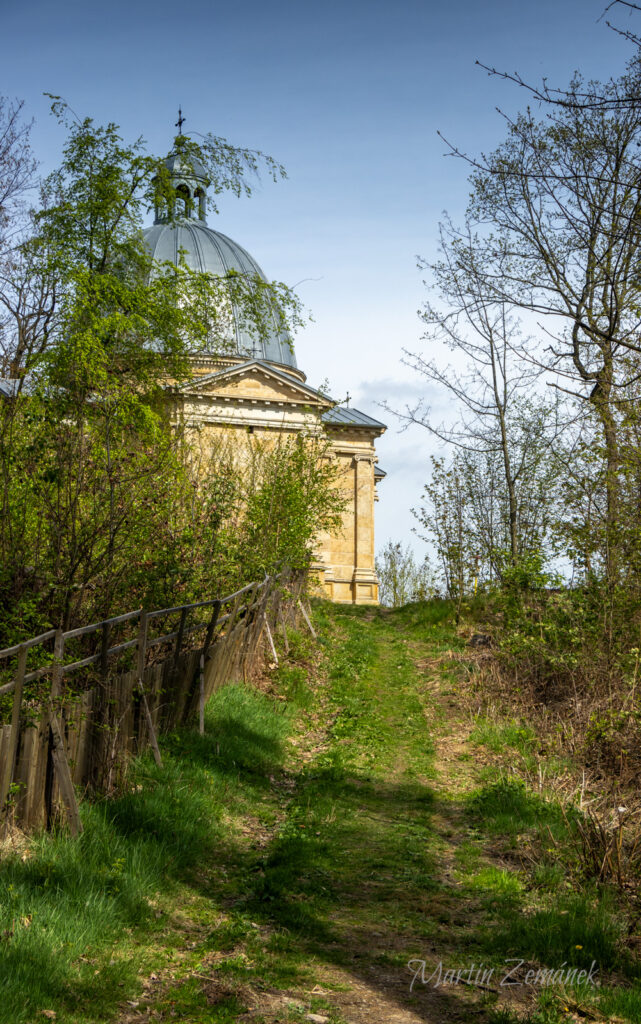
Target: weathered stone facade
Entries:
(253, 399)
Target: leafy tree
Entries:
(97, 488)
(291, 495)
(401, 577)
(445, 518)
(501, 421)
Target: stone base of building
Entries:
(360, 588)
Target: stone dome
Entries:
(204, 249)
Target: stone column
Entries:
(364, 580)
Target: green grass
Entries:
(499, 736)
(299, 839)
(70, 900)
(507, 806)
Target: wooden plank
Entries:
(180, 636)
(26, 809)
(82, 770)
(211, 628)
(270, 638)
(95, 734)
(211, 651)
(142, 648)
(10, 651)
(63, 774)
(75, 665)
(157, 705)
(259, 625)
(9, 762)
(58, 752)
(105, 640)
(36, 753)
(307, 619)
(237, 593)
(212, 668)
(95, 626)
(122, 647)
(201, 697)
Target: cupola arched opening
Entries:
(199, 204)
(183, 201)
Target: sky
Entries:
(350, 97)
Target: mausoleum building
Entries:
(255, 390)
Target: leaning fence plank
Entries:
(10, 760)
(142, 649)
(211, 627)
(270, 638)
(306, 617)
(58, 752)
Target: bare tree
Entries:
(492, 387)
(591, 98)
(557, 215)
(24, 303)
(17, 168)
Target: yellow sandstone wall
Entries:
(251, 409)
(347, 556)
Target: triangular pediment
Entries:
(255, 381)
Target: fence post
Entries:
(209, 636)
(104, 647)
(10, 763)
(179, 638)
(142, 651)
(201, 696)
(58, 752)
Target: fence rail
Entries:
(81, 738)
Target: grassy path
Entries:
(288, 865)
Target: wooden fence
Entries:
(139, 679)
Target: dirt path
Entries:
(362, 874)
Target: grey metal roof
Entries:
(9, 387)
(178, 166)
(213, 253)
(379, 473)
(345, 416)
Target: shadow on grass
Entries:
(353, 877)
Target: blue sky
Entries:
(349, 97)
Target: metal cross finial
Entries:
(180, 122)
